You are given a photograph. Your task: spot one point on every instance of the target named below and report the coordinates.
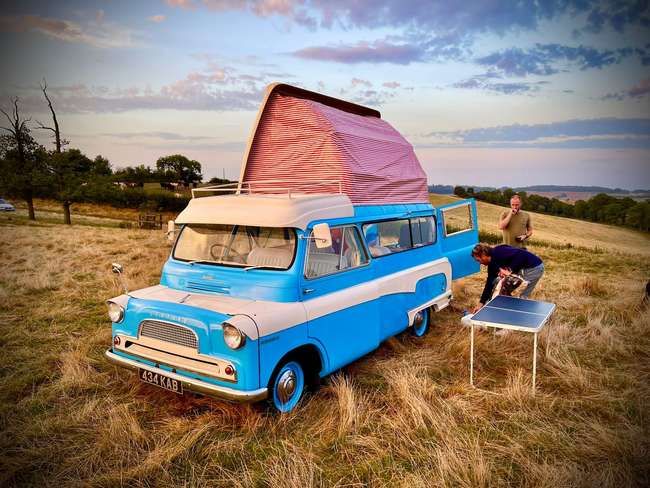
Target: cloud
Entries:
(439, 29)
(96, 33)
(484, 82)
(617, 15)
(440, 17)
(216, 87)
(391, 84)
(359, 82)
(177, 96)
(543, 59)
(165, 136)
(639, 90)
(363, 52)
(157, 18)
(580, 133)
(185, 4)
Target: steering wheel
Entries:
(215, 255)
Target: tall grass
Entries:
(404, 415)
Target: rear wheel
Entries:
(287, 386)
(421, 322)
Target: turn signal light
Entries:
(229, 370)
(117, 341)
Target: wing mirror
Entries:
(171, 231)
(322, 235)
(117, 269)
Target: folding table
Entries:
(504, 312)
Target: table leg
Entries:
(534, 360)
(471, 355)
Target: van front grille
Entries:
(173, 333)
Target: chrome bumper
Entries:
(193, 384)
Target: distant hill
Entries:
(449, 189)
(441, 189)
(582, 189)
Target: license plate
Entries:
(161, 381)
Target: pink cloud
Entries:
(359, 82)
(186, 4)
(157, 18)
(643, 88)
(96, 33)
(364, 52)
(392, 84)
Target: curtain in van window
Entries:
(423, 231)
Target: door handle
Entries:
(307, 290)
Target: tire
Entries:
(287, 386)
(421, 323)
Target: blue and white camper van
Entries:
(267, 290)
(254, 304)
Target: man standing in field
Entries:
(515, 224)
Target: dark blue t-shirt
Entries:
(507, 257)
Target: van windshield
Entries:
(237, 245)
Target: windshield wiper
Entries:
(248, 268)
(226, 263)
(204, 261)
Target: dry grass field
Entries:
(563, 231)
(404, 415)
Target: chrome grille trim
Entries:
(169, 332)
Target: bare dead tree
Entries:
(55, 158)
(55, 130)
(19, 132)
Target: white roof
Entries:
(296, 210)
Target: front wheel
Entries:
(421, 322)
(287, 386)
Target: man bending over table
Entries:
(504, 260)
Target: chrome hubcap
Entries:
(286, 385)
(418, 319)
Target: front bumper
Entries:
(193, 384)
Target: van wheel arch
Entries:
(309, 357)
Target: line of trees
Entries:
(28, 170)
(599, 208)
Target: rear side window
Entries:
(399, 235)
(346, 252)
(458, 219)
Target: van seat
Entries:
(321, 263)
(270, 256)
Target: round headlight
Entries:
(232, 336)
(115, 312)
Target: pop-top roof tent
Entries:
(313, 143)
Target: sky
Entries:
(489, 92)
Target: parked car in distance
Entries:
(5, 206)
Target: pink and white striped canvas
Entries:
(301, 141)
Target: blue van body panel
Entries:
(458, 247)
(393, 308)
(254, 284)
(207, 325)
(342, 334)
(275, 346)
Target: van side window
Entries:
(423, 230)
(399, 235)
(388, 237)
(346, 252)
(458, 219)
